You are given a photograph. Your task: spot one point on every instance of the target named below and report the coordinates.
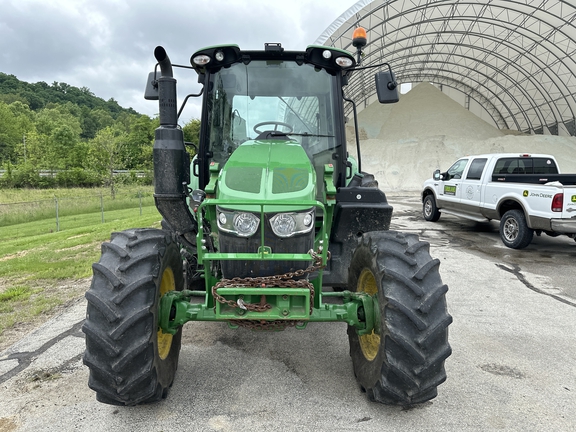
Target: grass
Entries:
(40, 267)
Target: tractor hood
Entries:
(268, 170)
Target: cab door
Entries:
(471, 186)
(449, 187)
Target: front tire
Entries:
(402, 361)
(131, 360)
(514, 230)
(429, 209)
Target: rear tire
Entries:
(514, 231)
(429, 209)
(402, 361)
(131, 361)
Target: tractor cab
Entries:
(273, 99)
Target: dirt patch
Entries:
(71, 248)
(77, 236)
(16, 255)
(70, 289)
(8, 424)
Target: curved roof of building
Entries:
(516, 59)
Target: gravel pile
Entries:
(403, 143)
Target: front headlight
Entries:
(289, 224)
(246, 224)
(240, 223)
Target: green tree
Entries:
(59, 127)
(191, 132)
(9, 133)
(139, 142)
(58, 133)
(24, 122)
(105, 154)
(93, 120)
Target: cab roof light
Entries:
(359, 38)
(201, 60)
(344, 62)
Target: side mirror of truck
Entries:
(386, 87)
(437, 175)
(151, 92)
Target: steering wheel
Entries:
(276, 125)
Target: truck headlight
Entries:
(242, 224)
(289, 224)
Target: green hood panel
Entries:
(268, 170)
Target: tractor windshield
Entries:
(272, 100)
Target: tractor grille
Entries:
(232, 244)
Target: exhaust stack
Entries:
(171, 161)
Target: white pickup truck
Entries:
(526, 193)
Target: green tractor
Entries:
(272, 224)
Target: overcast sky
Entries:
(108, 45)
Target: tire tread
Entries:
(121, 321)
(414, 346)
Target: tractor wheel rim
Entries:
(369, 343)
(165, 339)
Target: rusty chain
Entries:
(285, 280)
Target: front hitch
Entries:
(358, 310)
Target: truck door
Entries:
(449, 187)
(471, 186)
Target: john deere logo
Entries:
(525, 193)
(574, 198)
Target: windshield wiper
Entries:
(305, 134)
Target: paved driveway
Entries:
(513, 365)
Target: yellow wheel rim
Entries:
(370, 343)
(165, 339)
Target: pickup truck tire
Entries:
(401, 362)
(131, 361)
(514, 231)
(429, 209)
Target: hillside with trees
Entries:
(61, 135)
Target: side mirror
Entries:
(151, 92)
(386, 87)
(437, 175)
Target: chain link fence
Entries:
(59, 207)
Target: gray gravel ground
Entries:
(513, 365)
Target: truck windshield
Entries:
(247, 101)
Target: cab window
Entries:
(476, 169)
(525, 166)
(456, 170)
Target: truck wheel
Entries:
(131, 361)
(514, 231)
(402, 361)
(429, 209)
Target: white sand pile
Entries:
(403, 143)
